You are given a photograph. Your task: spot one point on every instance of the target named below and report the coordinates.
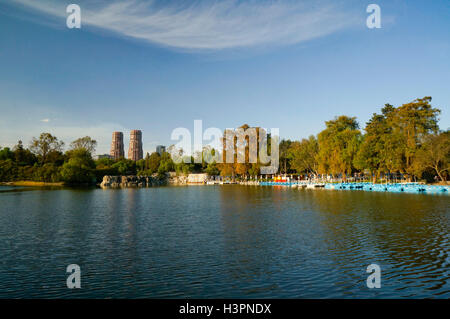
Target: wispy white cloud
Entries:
(45, 120)
(210, 24)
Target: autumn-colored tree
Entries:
(228, 156)
(434, 154)
(240, 151)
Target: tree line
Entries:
(45, 161)
(402, 140)
(399, 140)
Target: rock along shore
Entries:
(141, 181)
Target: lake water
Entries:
(223, 242)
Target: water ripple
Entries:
(223, 242)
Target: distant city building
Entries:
(135, 151)
(117, 149)
(104, 156)
(160, 149)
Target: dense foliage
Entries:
(401, 140)
(44, 161)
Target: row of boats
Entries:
(367, 186)
(395, 187)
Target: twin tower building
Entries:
(135, 151)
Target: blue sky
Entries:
(160, 65)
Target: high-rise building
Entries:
(135, 151)
(160, 149)
(117, 149)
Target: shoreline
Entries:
(140, 182)
(32, 183)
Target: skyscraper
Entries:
(135, 151)
(117, 149)
(160, 149)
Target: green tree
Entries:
(146, 160)
(186, 166)
(45, 146)
(212, 169)
(8, 170)
(125, 167)
(104, 166)
(86, 143)
(372, 153)
(166, 164)
(411, 123)
(338, 145)
(303, 155)
(79, 168)
(153, 162)
(140, 165)
(48, 172)
(284, 147)
(103, 163)
(254, 169)
(23, 156)
(6, 153)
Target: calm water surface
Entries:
(223, 241)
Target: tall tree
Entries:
(86, 143)
(166, 163)
(412, 122)
(372, 153)
(23, 156)
(338, 145)
(147, 160)
(45, 145)
(284, 155)
(434, 154)
(153, 162)
(303, 155)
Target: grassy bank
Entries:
(31, 183)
